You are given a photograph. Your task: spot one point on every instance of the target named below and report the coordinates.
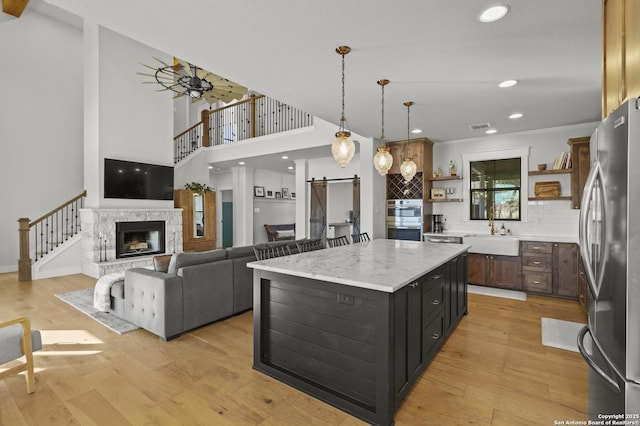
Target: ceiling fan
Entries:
(184, 78)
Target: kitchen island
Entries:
(356, 325)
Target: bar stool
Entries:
(358, 238)
(309, 245)
(338, 241)
(269, 251)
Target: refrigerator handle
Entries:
(587, 195)
(609, 381)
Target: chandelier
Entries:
(187, 79)
(343, 147)
(408, 168)
(382, 161)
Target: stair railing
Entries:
(47, 232)
(256, 116)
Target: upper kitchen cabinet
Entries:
(621, 53)
(421, 152)
(581, 163)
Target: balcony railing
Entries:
(250, 118)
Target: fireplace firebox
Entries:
(140, 238)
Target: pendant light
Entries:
(343, 147)
(382, 161)
(408, 168)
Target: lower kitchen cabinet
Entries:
(425, 313)
(495, 271)
(550, 268)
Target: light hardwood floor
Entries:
(493, 370)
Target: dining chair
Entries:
(338, 241)
(17, 339)
(309, 245)
(269, 251)
(358, 238)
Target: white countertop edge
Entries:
(354, 282)
(521, 237)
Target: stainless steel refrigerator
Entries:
(610, 249)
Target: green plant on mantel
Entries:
(198, 187)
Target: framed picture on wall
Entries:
(269, 194)
(278, 194)
(285, 192)
(293, 195)
(258, 191)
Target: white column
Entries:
(242, 205)
(92, 164)
(302, 199)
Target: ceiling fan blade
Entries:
(186, 66)
(161, 61)
(148, 66)
(202, 74)
(179, 95)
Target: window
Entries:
(495, 186)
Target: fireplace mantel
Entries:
(99, 237)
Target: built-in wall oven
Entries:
(404, 220)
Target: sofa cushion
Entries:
(117, 289)
(161, 263)
(288, 234)
(238, 252)
(180, 260)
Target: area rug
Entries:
(82, 300)
(497, 292)
(560, 334)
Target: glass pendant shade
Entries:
(382, 161)
(408, 169)
(343, 148)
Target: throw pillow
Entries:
(161, 263)
(286, 235)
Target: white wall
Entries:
(41, 121)
(552, 217)
(135, 123)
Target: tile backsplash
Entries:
(548, 218)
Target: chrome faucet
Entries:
(491, 224)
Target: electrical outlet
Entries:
(346, 299)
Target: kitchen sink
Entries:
(492, 244)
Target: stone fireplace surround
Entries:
(99, 225)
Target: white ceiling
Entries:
(435, 53)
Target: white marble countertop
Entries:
(382, 265)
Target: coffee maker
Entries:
(437, 223)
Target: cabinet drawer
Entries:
(537, 262)
(539, 283)
(432, 336)
(432, 299)
(533, 247)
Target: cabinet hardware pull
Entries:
(536, 282)
(435, 336)
(414, 285)
(435, 302)
(536, 263)
(435, 277)
(537, 248)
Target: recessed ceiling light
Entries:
(494, 13)
(508, 83)
(290, 167)
(210, 167)
(516, 115)
(284, 157)
(491, 131)
(416, 131)
(242, 163)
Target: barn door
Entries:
(356, 206)
(318, 210)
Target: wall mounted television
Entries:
(138, 181)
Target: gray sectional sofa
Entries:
(196, 289)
